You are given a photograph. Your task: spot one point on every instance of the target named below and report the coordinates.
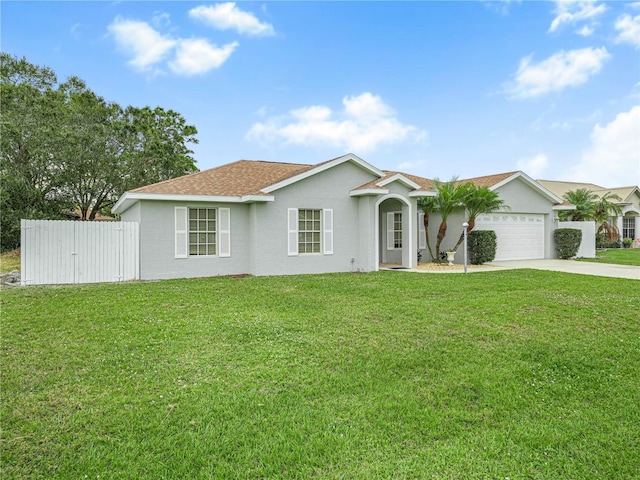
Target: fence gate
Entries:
(55, 251)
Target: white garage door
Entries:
(520, 236)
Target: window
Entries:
(397, 230)
(309, 231)
(629, 227)
(202, 231)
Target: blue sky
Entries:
(436, 89)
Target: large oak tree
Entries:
(63, 148)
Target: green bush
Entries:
(481, 246)
(567, 242)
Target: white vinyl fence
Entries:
(55, 252)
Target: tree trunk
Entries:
(442, 231)
(426, 234)
(472, 223)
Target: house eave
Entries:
(130, 198)
(368, 191)
(423, 193)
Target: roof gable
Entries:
(493, 182)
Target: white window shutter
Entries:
(422, 241)
(327, 225)
(224, 232)
(292, 229)
(182, 232)
(390, 236)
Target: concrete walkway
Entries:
(573, 266)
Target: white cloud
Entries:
(585, 31)
(559, 71)
(364, 124)
(576, 11)
(196, 56)
(613, 159)
(629, 28)
(534, 166)
(141, 41)
(226, 16)
(149, 48)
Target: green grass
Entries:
(520, 374)
(618, 256)
(9, 261)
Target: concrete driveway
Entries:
(573, 266)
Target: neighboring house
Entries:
(270, 218)
(628, 222)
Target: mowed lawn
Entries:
(617, 256)
(513, 374)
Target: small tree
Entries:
(449, 198)
(478, 201)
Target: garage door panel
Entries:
(519, 236)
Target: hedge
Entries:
(481, 246)
(567, 242)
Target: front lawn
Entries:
(618, 256)
(512, 374)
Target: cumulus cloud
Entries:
(227, 16)
(559, 71)
(364, 124)
(138, 39)
(613, 158)
(534, 166)
(148, 48)
(629, 28)
(572, 12)
(197, 56)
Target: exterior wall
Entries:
(157, 242)
(326, 190)
(588, 244)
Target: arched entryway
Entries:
(394, 231)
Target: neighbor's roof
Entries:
(560, 188)
(244, 177)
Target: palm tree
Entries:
(585, 203)
(450, 196)
(478, 201)
(604, 209)
(427, 205)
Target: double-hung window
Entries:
(310, 231)
(202, 232)
(628, 227)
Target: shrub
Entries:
(567, 242)
(481, 246)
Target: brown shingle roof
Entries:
(489, 180)
(244, 177)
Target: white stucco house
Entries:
(272, 218)
(628, 222)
